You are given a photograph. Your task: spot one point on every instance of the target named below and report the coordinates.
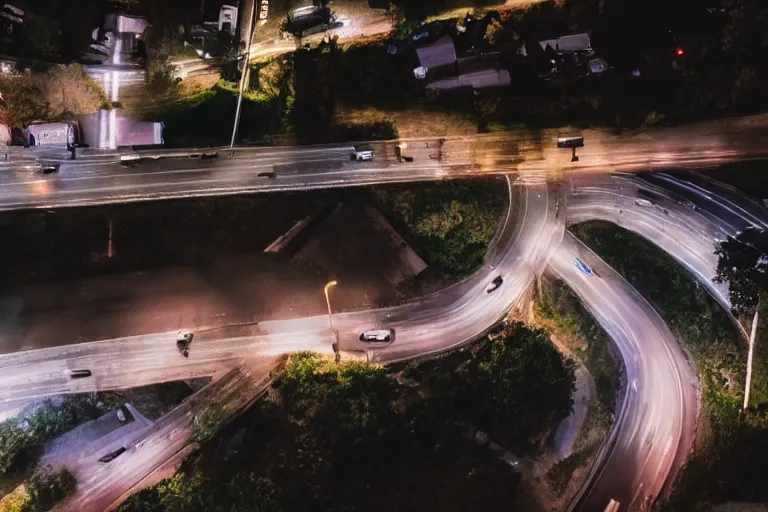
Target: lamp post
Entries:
(328, 286)
(335, 346)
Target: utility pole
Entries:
(748, 382)
(244, 74)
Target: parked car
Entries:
(80, 374)
(379, 335)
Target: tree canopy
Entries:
(743, 264)
(59, 94)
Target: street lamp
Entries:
(328, 286)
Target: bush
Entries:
(61, 93)
(208, 423)
(44, 490)
(69, 91)
(451, 222)
(559, 309)
(163, 44)
(520, 388)
(207, 118)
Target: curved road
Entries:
(431, 324)
(652, 434)
(653, 431)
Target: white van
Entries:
(57, 135)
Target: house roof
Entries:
(440, 53)
(481, 62)
(566, 44)
(476, 80)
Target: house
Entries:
(477, 80)
(444, 70)
(574, 43)
(572, 55)
(440, 53)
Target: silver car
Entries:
(379, 335)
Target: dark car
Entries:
(112, 455)
(183, 340)
(266, 174)
(47, 168)
(494, 284)
(79, 374)
(648, 196)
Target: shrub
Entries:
(61, 93)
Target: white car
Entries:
(381, 335)
(643, 202)
(362, 155)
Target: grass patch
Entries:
(560, 311)
(559, 475)
(206, 118)
(449, 224)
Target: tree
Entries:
(69, 91)
(395, 15)
(163, 42)
(743, 264)
(61, 93)
(522, 386)
(12, 441)
(48, 488)
(251, 493)
(208, 423)
(21, 103)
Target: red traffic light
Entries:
(679, 51)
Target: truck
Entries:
(108, 129)
(98, 130)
